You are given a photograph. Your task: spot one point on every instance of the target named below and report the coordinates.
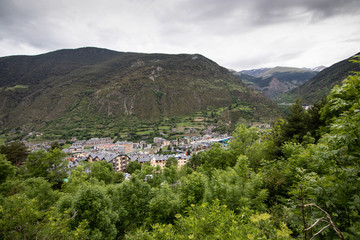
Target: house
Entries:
(161, 142)
(158, 160)
(141, 158)
(119, 161)
(75, 149)
(182, 159)
(97, 141)
(126, 147)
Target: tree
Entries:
(41, 190)
(171, 174)
(6, 169)
(327, 172)
(247, 141)
(195, 161)
(192, 188)
(171, 161)
(217, 158)
(55, 145)
(119, 177)
(296, 123)
(164, 205)
(133, 166)
(217, 221)
(77, 177)
(237, 187)
(91, 205)
(15, 152)
(131, 201)
(102, 171)
(315, 120)
(50, 165)
(19, 218)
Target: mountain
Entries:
(83, 88)
(275, 81)
(318, 68)
(319, 86)
(259, 72)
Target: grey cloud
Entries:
(219, 29)
(262, 11)
(279, 10)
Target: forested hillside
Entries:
(319, 86)
(296, 181)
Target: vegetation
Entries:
(88, 91)
(285, 183)
(319, 86)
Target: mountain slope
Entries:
(275, 81)
(320, 85)
(88, 85)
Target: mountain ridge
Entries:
(275, 81)
(49, 90)
(320, 85)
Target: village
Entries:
(121, 153)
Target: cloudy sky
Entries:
(237, 34)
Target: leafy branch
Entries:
(328, 220)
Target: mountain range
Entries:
(275, 81)
(81, 88)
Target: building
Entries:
(161, 142)
(97, 141)
(119, 161)
(125, 147)
(158, 160)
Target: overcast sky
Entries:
(237, 34)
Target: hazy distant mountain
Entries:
(255, 72)
(89, 85)
(275, 81)
(320, 85)
(318, 68)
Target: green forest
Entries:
(298, 180)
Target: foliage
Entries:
(216, 221)
(171, 161)
(92, 205)
(102, 171)
(15, 152)
(217, 158)
(171, 174)
(6, 169)
(41, 190)
(237, 187)
(19, 216)
(55, 145)
(50, 165)
(296, 123)
(252, 143)
(164, 205)
(192, 188)
(133, 166)
(131, 200)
